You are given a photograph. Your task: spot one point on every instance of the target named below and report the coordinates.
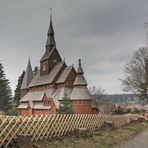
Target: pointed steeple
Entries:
(80, 90)
(50, 35)
(28, 76)
(51, 56)
(80, 70)
(50, 30)
(80, 79)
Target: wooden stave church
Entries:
(41, 94)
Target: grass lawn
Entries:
(96, 139)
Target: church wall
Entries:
(49, 102)
(54, 59)
(54, 110)
(53, 107)
(44, 111)
(78, 107)
(60, 85)
(69, 84)
(34, 112)
(24, 112)
(70, 79)
(59, 73)
(46, 101)
(53, 85)
(40, 112)
(81, 106)
(44, 69)
(66, 84)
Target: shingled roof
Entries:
(35, 96)
(80, 79)
(80, 94)
(60, 93)
(47, 79)
(23, 105)
(48, 54)
(64, 74)
(80, 90)
(28, 76)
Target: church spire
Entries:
(50, 30)
(50, 35)
(80, 70)
(80, 90)
(51, 56)
(80, 79)
(28, 76)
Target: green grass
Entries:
(96, 139)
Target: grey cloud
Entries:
(103, 33)
(104, 17)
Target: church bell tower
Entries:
(51, 56)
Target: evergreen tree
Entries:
(5, 91)
(17, 90)
(65, 106)
(36, 70)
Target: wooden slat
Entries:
(54, 125)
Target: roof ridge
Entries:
(70, 66)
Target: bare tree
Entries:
(99, 91)
(100, 101)
(136, 74)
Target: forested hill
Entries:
(122, 98)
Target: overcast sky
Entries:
(104, 33)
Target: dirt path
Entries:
(140, 141)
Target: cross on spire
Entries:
(50, 35)
(79, 61)
(50, 12)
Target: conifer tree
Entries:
(5, 91)
(18, 89)
(65, 106)
(36, 70)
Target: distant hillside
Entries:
(123, 98)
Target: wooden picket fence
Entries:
(51, 126)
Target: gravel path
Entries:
(139, 141)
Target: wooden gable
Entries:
(48, 61)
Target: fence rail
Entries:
(50, 126)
